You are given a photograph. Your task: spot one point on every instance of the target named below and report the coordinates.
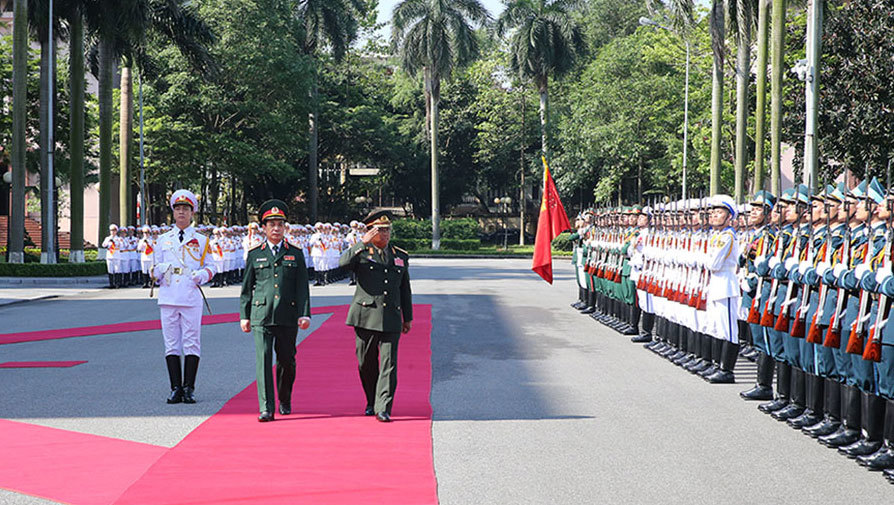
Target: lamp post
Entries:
(503, 202)
(648, 22)
(7, 179)
(49, 254)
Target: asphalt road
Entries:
(533, 403)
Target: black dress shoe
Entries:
(861, 447)
(774, 405)
(176, 395)
(640, 339)
(285, 408)
(825, 427)
(369, 411)
(265, 417)
(842, 437)
(889, 474)
(588, 310)
(722, 377)
(629, 330)
(880, 460)
(383, 417)
(808, 418)
(758, 392)
(189, 394)
(791, 411)
(707, 371)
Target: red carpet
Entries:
(70, 467)
(41, 364)
(324, 453)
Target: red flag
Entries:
(552, 222)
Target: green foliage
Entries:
(453, 229)
(58, 270)
(416, 244)
(563, 242)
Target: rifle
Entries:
(814, 334)
(767, 317)
(873, 350)
(754, 315)
(833, 334)
(783, 320)
(855, 339)
(706, 274)
(797, 330)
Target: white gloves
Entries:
(860, 270)
(839, 267)
(790, 263)
(773, 262)
(198, 277)
(822, 268)
(802, 267)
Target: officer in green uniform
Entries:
(381, 310)
(275, 302)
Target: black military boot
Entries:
(111, 281)
(849, 431)
(580, 299)
(763, 388)
(590, 306)
(716, 353)
(873, 422)
(798, 396)
(831, 409)
(176, 377)
(635, 317)
(728, 358)
(812, 414)
(783, 388)
(319, 278)
(190, 369)
(646, 336)
(884, 457)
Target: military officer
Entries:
(181, 266)
(381, 310)
(274, 304)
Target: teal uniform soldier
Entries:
(381, 310)
(274, 304)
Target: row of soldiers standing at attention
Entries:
(801, 285)
(129, 259)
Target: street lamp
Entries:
(648, 22)
(7, 178)
(504, 202)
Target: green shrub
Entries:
(415, 244)
(563, 242)
(88, 269)
(465, 228)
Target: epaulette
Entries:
(399, 249)
(255, 247)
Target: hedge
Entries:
(88, 269)
(414, 244)
(465, 228)
(32, 254)
(563, 242)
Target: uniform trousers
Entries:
(377, 359)
(282, 340)
(182, 329)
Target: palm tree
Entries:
(76, 131)
(718, 35)
(331, 23)
(546, 41)
(760, 112)
(741, 22)
(434, 37)
(778, 48)
(19, 106)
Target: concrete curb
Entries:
(7, 303)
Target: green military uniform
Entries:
(382, 303)
(275, 294)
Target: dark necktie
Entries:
(275, 250)
(181, 236)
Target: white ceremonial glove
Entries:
(773, 261)
(860, 270)
(199, 277)
(838, 269)
(822, 268)
(882, 274)
(802, 267)
(790, 263)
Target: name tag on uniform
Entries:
(398, 262)
(289, 258)
(261, 259)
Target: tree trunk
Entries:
(760, 113)
(543, 88)
(76, 136)
(125, 136)
(522, 202)
(106, 63)
(776, 96)
(45, 183)
(435, 183)
(426, 90)
(215, 193)
(717, 35)
(16, 251)
(743, 75)
(312, 162)
(814, 50)
(204, 193)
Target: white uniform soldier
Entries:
(146, 247)
(183, 263)
(112, 245)
(723, 288)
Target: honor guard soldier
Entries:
(112, 243)
(182, 266)
(382, 309)
(146, 247)
(274, 304)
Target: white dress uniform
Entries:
(146, 246)
(181, 266)
(723, 288)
